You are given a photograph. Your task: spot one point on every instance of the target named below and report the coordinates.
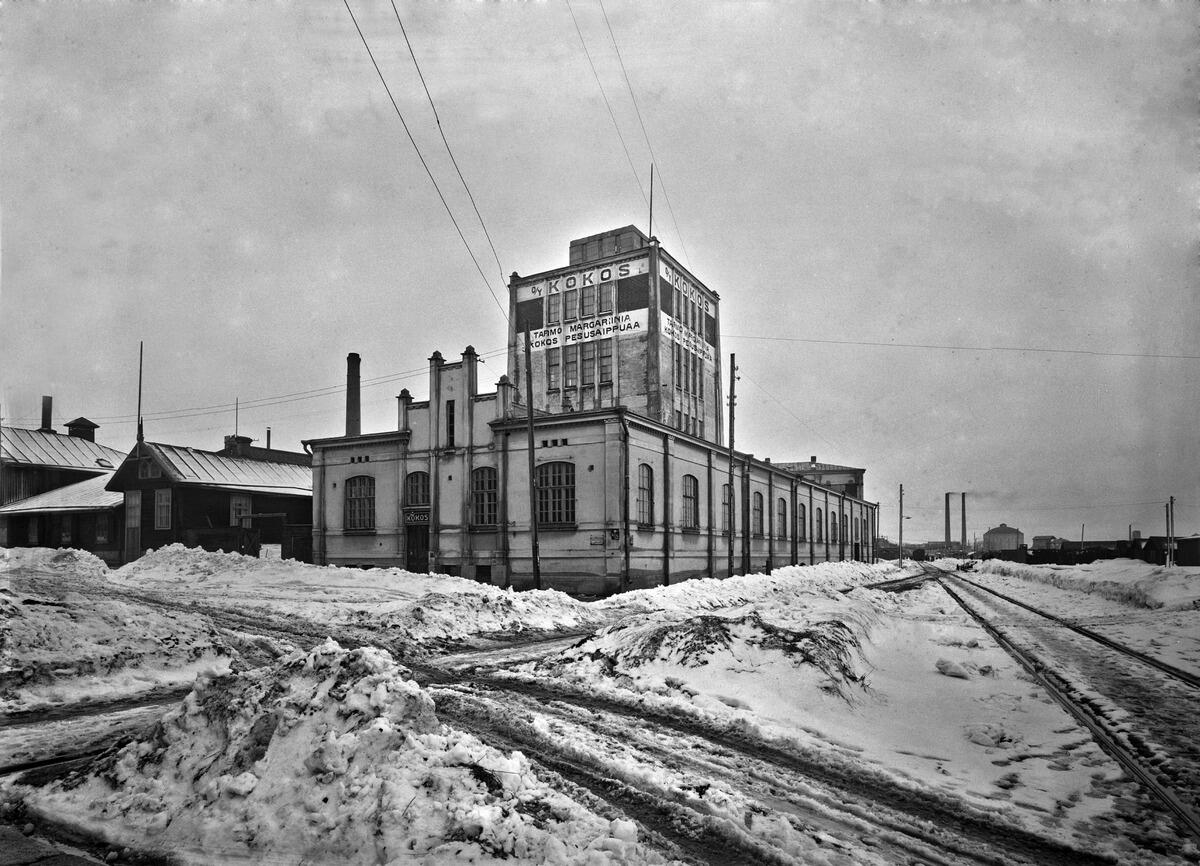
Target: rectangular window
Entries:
(552, 307)
(645, 497)
(360, 503)
(726, 507)
(781, 518)
(571, 366)
(570, 305)
(691, 502)
(483, 496)
(587, 302)
(162, 508)
(555, 483)
(552, 369)
(606, 361)
(103, 527)
(606, 297)
(239, 506)
(449, 423)
(587, 364)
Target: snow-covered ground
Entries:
(293, 748)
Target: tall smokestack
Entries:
(947, 520)
(47, 405)
(353, 410)
(964, 520)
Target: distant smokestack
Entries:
(812, 459)
(47, 405)
(268, 437)
(353, 409)
(947, 520)
(964, 520)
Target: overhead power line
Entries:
(662, 184)
(432, 179)
(429, 96)
(607, 104)
(895, 345)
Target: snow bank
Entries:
(396, 605)
(1130, 581)
(63, 561)
(328, 756)
(63, 639)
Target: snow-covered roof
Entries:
(86, 495)
(191, 466)
(54, 450)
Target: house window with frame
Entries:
(645, 495)
(239, 507)
(570, 305)
(833, 528)
(103, 529)
(781, 518)
(691, 502)
(606, 297)
(360, 503)
(553, 305)
(555, 487)
(820, 525)
(587, 364)
(484, 505)
(552, 369)
(606, 361)
(416, 490)
(801, 523)
(162, 508)
(756, 514)
(148, 468)
(587, 302)
(726, 507)
(449, 423)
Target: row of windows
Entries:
(691, 514)
(554, 485)
(554, 482)
(580, 364)
(582, 303)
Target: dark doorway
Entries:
(417, 545)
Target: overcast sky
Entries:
(228, 182)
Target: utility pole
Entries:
(533, 517)
(900, 560)
(140, 433)
(1173, 542)
(651, 231)
(732, 403)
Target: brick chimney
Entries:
(353, 404)
(47, 406)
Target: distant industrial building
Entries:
(1002, 538)
(631, 484)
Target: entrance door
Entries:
(417, 545)
(133, 524)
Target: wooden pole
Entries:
(533, 517)
(730, 511)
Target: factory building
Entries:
(631, 486)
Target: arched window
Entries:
(483, 497)
(726, 508)
(833, 528)
(781, 518)
(691, 502)
(645, 495)
(555, 483)
(756, 514)
(801, 523)
(360, 502)
(820, 525)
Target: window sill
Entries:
(358, 532)
(557, 527)
(690, 530)
(484, 527)
(646, 527)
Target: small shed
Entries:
(83, 515)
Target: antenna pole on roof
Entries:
(235, 416)
(140, 435)
(651, 232)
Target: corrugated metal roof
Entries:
(87, 495)
(34, 448)
(208, 469)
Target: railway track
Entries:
(1143, 762)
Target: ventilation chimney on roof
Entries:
(812, 459)
(47, 405)
(353, 406)
(82, 428)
